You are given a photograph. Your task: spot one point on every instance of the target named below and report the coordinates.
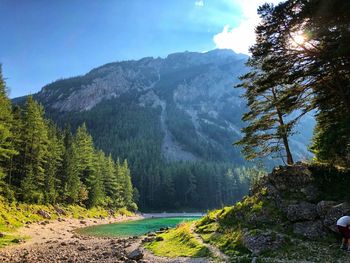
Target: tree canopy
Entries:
(303, 46)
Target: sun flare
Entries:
(298, 39)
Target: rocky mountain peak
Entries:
(191, 92)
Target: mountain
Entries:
(159, 111)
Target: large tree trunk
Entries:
(284, 134)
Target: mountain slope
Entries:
(180, 108)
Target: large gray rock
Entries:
(323, 207)
(291, 177)
(257, 241)
(301, 212)
(310, 229)
(310, 192)
(334, 214)
(135, 254)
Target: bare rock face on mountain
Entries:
(190, 97)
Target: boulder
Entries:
(334, 213)
(135, 254)
(59, 210)
(323, 207)
(301, 212)
(287, 177)
(158, 238)
(148, 239)
(310, 192)
(44, 214)
(257, 241)
(310, 229)
(82, 248)
(272, 191)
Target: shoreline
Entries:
(62, 229)
(164, 215)
(58, 241)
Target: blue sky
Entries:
(42, 41)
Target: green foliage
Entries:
(267, 131)
(332, 181)
(331, 142)
(40, 164)
(7, 149)
(313, 73)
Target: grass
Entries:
(255, 211)
(178, 242)
(228, 241)
(15, 215)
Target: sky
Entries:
(42, 41)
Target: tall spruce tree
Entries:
(110, 181)
(53, 165)
(95, 181)
(34, 150)
(7, 149)
(127, 185)
(118, 196)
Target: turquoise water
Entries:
(134, 228)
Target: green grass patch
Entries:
(229, 241)
(178, 242)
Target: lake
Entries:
(135, 227)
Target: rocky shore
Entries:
(58, 241)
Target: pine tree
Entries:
(7, 150)
(110, 181)
(30, 192)
(167, 192)
(73, 185)
(267, 131)
(191, 196)
(118, 197)
(95, 181)
(53, 165)
(70, 183)
(34, 150)
(128, 189)
(84, 165)
(85, 153)
(16, 161)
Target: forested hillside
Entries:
(173, 119)
(41, 164)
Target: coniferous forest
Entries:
(48, 164)
(45, 165)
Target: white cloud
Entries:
(241, 37)
(199, 3)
